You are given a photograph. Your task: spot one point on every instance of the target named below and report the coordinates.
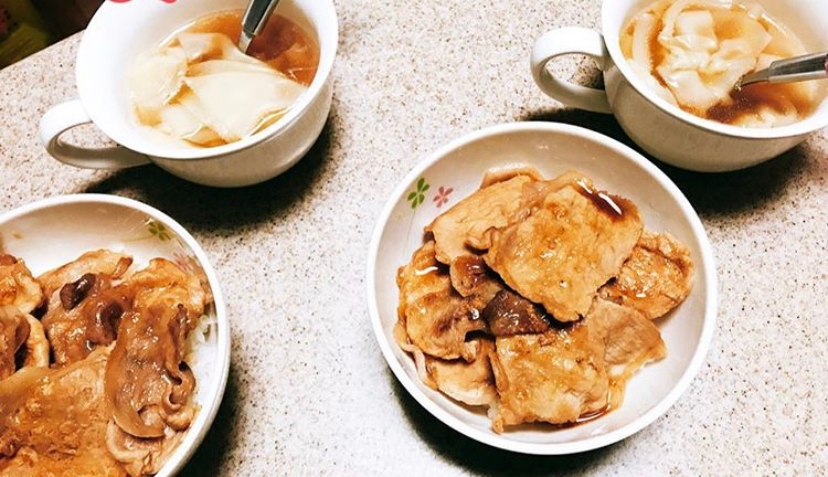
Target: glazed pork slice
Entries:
(17, 285)
(471, 277)
(95, 262)
(435, 318)
(148, 388)
(631, 341)
(570, 243)
(141, 457)
(468, 223)
(23, 342)
(53, 422)
(472, 382)
(148, 385)
(555, 377)
(533, 193)
(36, 352)
(656, 278)
(14, 331)
(179, 286)
(83, 308)
(571, 373)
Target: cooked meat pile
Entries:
(536, 298)
(93, 381)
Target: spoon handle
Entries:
(799, 68)
(254, 20)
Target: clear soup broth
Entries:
(282, 44)
(199, 89)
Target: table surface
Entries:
(309, 392)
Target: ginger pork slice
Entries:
(53, 421)
(436, 319)
(567, 374)
(555, 377)
(472, 382)
(17, 285)
(83, 308)
(472, 278)
(23, 342)
(470, 220)
(94, 262)
(148, 385)
(569, 244)
(14, 331)
(656, 278)
(630, 342)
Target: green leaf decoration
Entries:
(158, 230)
(417, 196)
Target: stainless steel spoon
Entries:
(254, 20)
(799, 68)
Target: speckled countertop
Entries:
(309, 392)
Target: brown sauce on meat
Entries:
(584, 418)
(472, 271)
(613, 206)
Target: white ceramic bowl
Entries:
(51, 232)
(454, 172)
(119, 32)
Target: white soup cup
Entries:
(660, 128)
(119, 32)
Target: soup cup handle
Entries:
(568, 41)
(68, 115)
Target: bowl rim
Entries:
(500, 441)
(215, 393)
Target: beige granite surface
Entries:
(309, 392)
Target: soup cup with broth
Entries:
(167, 84)
(670, 67)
